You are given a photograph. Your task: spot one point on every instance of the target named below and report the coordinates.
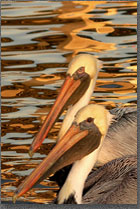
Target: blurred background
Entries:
(39, 38)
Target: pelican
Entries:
(81, 145)
(120, 140)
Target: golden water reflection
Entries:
(38, 41)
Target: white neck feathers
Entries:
(74, 183)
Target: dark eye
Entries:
(89, 120)
(81, 70)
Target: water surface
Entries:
(38, 41)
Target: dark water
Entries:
(38, 41)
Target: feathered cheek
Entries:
(102, 125)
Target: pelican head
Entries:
(83, 61)
(83, 137)
(98, 114)
(82, 71)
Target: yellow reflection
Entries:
(133, 68)
(82, 17)
(111, 11)
(103, 30)
(134, 82)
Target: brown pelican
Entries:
(120, 141)
(81, 145)
(76, 91)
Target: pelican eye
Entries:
(89, 120)
(81, 70)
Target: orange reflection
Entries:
(73, 41)
(11, 93)
(22, 126)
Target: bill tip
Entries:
(31, 153)
(14, 198)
